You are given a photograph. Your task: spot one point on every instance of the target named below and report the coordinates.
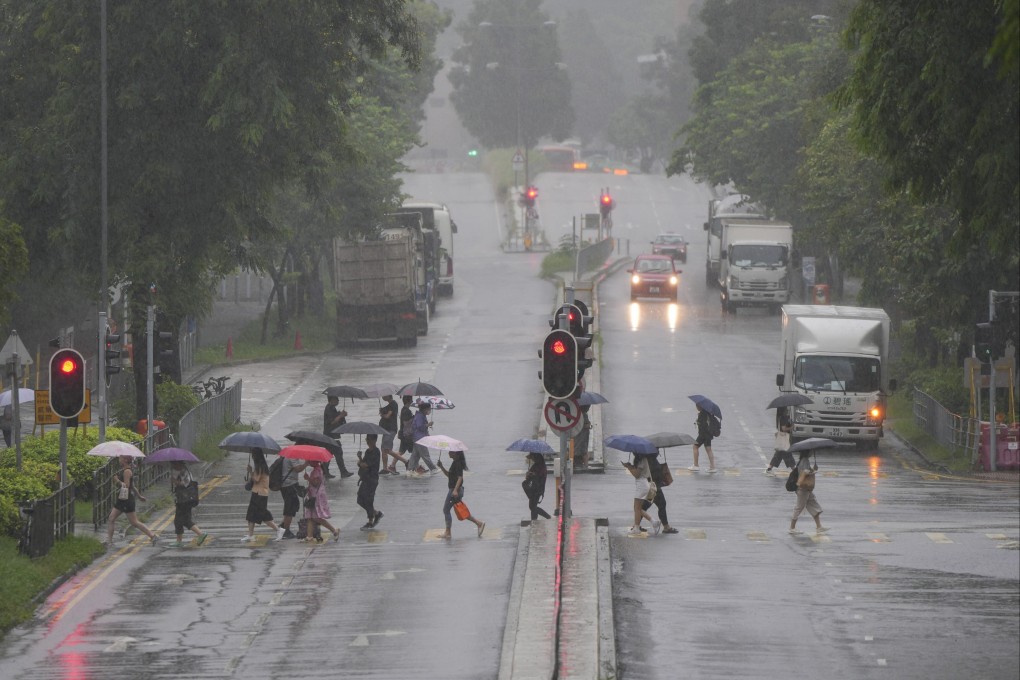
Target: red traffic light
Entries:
(607, 199)
(67, 383)
(532, 193)
(558, 347)
(68, 366)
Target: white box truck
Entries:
(839, 358)
(436, 216)
(754, 263)
(734, 205)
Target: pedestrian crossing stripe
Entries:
(377, 536)
(878, 538)
(820, 538)
(695, 534)
(758, 536)
(938, 537)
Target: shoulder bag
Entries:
(665, 476)
(782, 442)
(791, 481)
(187, 496)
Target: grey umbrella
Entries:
(310, 437)
(665, 440)
(359, 427)
(379, 390)
(790, 399)
(811, 444)
(591, 398)
(247, 441)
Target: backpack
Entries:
(276, 474)
(791, 481)
(714, 425)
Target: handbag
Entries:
(124, 493)
(310, 502)
(791, 481)
(667, 476)
(782, 442)
(652, 490)
(301, 490)
(248, 485)
(806, 481)
(461, 510)
(187, 496)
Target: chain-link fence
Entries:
(959, 434)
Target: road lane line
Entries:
(938, 537)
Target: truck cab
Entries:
(436, 217)
(754, 263)
(732, 206)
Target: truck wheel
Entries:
(709, 281)
(423, 325)
(432, 306)
(730, 307)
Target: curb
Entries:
(1002, 477)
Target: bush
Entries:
(174, 402)
(945, 385)
(10, 518)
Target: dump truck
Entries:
(382, 290)
(734, 205)
(839, 358)
(436, 216)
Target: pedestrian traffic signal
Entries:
(67, 383)
(559, 364)
(529, 196)
(113, 353)
(983, 338)
(606, 204)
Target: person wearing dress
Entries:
(316, 502)
(258, 503)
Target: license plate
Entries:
(653, 289)
(835, 432)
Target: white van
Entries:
(437, 216)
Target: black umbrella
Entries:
(591, 398)
(419, 389)
(359, 427)
(790, 399)
(345, 392)
(309, 437)
(664, 440)
(811, 444)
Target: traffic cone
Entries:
(297, 341)
(230, 348)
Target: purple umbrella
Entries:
(171, 455)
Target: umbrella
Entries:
(113, 449)
(442, 443)
(420, 389)
(309, 437)
(359, 427)
(630, 443)
(591, 398)
(345, 392)
(246, 441)
(24, 395)
(530, 446)
(171, 455)
(706, 404)
(811, 444)
(437, 403)
(664, 440)
(790, 399)
(306, 452)
(379, 390)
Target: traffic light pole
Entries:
(150, 322)
(992, 462)
(101, 375)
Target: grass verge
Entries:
(22, 579)
(901, 421)
(558, 261)
(317, 334)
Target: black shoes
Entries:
(344, 474)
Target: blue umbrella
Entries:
(630, 443)
(591, 398)
(706, 404)
(530, 446)
(246, 441)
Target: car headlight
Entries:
(635, 279)
(673, 280)
(800, 415)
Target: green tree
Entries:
(928, 103)
(507, 77)
(13, 264)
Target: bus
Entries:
(560, 158)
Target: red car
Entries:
(671, 244)
(654, 276)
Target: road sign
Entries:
(518, 161)
(13, 346)
(562, 414)
(44, 415)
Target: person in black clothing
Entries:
(655, 467)
(389, 422)
(332, 418)
(455, 490)
(405, 433)
(534, 484)
(368, 480)
(704, 439)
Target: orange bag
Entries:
(461, 510)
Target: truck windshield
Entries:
(743, 255)
(837, 374)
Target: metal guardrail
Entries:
(960, 434)
(210, 416)
(595, 255)
(47, 520)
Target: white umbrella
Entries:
(24, 395)
(442, 443)
(113, 449)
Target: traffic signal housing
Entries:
(606, 205)
(984, 335)
(67, 383)
(166, 355)
(113, 353)
(559, 364)
(529, 196)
